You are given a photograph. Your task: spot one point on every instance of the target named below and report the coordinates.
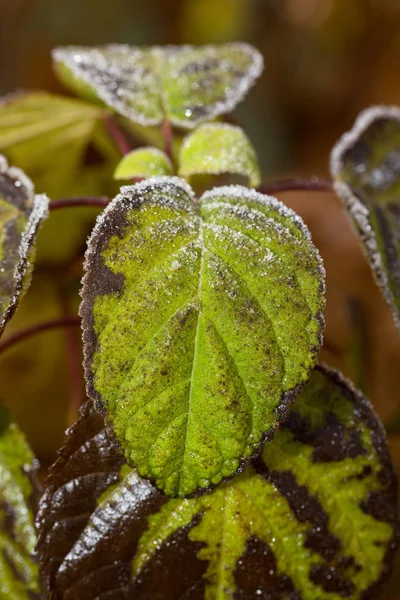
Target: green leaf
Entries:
(143, 163)
(21, 214)
(19, 577)
(216, 148)
(185, 84)
(192, 315)
(47, 136)
(62, 145)
(313, 518)
(365, 165)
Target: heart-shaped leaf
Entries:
(19, 577)
(219, 148)
(143, 163)
(313, 517)
(365, 165)
(191, 345)
(21, 214)
(185, 84)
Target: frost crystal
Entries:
(186, 84)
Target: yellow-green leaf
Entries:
(19, 577)
(216, 148)
(185, 84)
(313, 518)
(21, 214)
(143, 163)
(365, 165)
(62, 145)
(191, 345)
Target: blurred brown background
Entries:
(325, 60)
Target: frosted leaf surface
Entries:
(365, 165)
(219, 148)
(144, 163)
(19, 577)
(21, 214)
(190, 343)
(305, 520)
(186, 84)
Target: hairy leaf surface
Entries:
(185, 84)
(219, 148)
(21, 214)
(143, 163)
(19, 577)
(313, 518)
(366, 167)
(190, 343)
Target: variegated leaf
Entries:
(314, 518)
(21, 214)
(191, 348)
(365, 165)
(19, 576)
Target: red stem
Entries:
(100, 201)
(38, 328)
(74, 364)
(166, 131)
(287, 185)
(117, 135)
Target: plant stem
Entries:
(101, 201)
(288, 185)
(117, 135)
(38, 328)
(74, 364)
(166, 131)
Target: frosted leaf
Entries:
(190, 344)
(186, 84)
(219, 148)
(143, 163)
(365, 165)
(19, 495)
(21, 214)
(314, 517)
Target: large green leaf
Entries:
(365, 165)
(313, 518)
(185, 84)
(19, 577)
(21, 214)
(219, 148)
(191, 345)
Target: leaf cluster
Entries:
(213, 457)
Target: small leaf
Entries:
(143, 163)
(19, 577)
(365, 165)
(21, 214)
(193, 317)
(219, 148)
(185, 84)
(313, 518)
